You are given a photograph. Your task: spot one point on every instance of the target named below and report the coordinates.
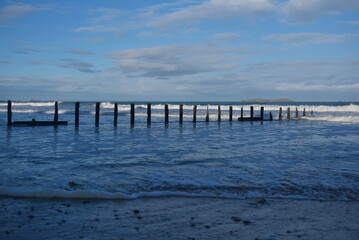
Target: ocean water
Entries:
(310, 157)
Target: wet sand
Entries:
(178, 218)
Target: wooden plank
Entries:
(149, 113)
(230, 113)
(97, 115)
(132, 113)
(56, 115)
(247, 119)
(194, 113)
(9, 113)
(219, 113)
(181, 113)
(280, 114)
(207, 115)
(35, 123)
(166, 113)
(77, 114)
(115, 114)
(288, 113)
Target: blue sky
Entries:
(190, 50)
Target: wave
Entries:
(32, 104)
(95, 194)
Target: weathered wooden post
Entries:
(296, 112)
(288, 113)
(181, 113)
(230, 113)
(194, 113)
(304, 112)
(241, 112)
(270, 116)
(9, 113)
(166, 113)
(115, 114)
(219, 113)
(132, 113)
(149, 113)
(280, 114)
(262, 113)
(56, 115)
(252, 113)
(207, 115)
(97, 115)
(311, 113)
(77, 114)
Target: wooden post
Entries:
(181, 113)
(280, 114)
(262, 113)
(296, 112)
(252, 113)
(304, 112)
(132, 113)
(115, 114)
(230, 113)
(311, 112)
(9, 113)
(241, 112)
(97, 116)
(56, 115)
(219, 113)
(270, 116)
(207, 115)
(77, 114)
(166, 113)
(149, 113)
(194, 113)
(288, 113)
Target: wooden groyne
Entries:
(56, 121)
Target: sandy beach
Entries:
(178, 218)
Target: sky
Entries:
(185, 50)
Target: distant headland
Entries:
(268, 100)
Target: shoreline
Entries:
(177, 217)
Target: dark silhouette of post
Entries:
(132, 113)
(270, 116)
(288, 113)
(262, 113)
(115, 114)
(219, 113)
(97, 116)
(77, 114)
(241, 112)
(311, 112)
(296, 112)
(207, 115)
(166, 113)
(181, 113)
(304, 112)
(252, 113)
(230, 113)
(194, 113)
(149, 113)
(9, 113)
(280, 114)
(56, 115)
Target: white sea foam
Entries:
(31, 104)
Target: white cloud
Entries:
(97, 29)
(80, 66)
(81, 52)
(297, 39)
(306, 11)
(11, 12)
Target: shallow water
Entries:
(313, 157)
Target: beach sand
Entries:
(178, 218)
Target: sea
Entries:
(315, 156)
